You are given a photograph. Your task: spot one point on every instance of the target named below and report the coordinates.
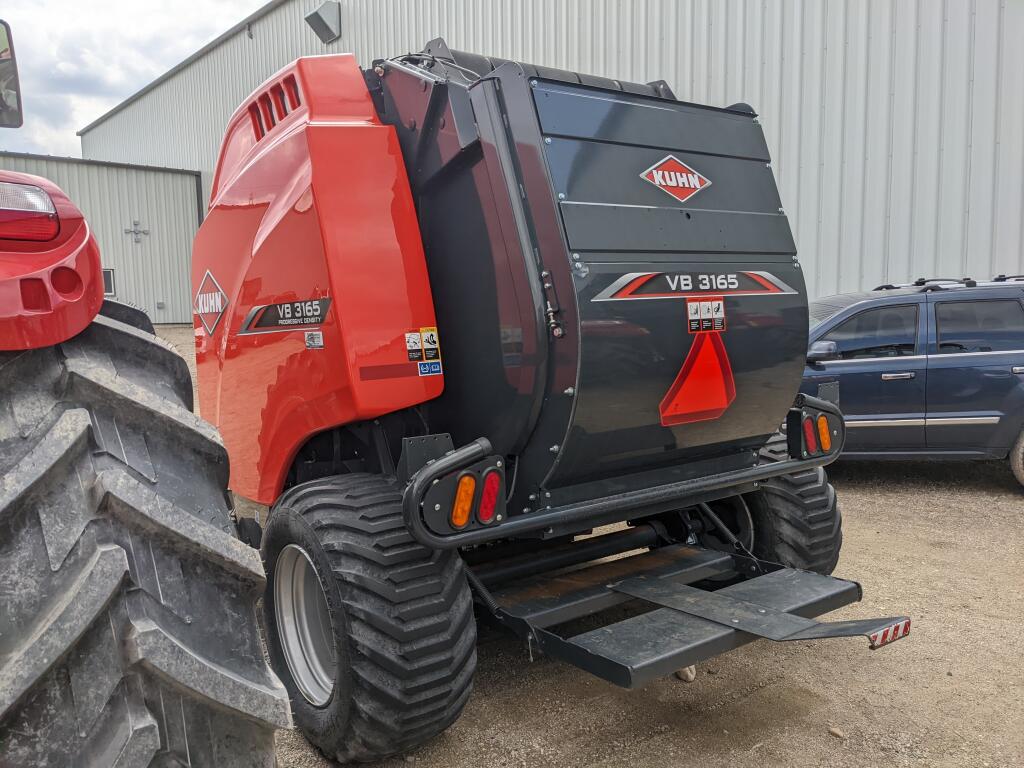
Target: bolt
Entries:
(735, 621)
(545, 273)
(379, 71)
(782, 210)
(575, 257)
(555, 448)
(533, 83)
(437, 507)
(498, 518)
(547, 286)
(497, 463)
(533, 497)
(526, 510)
(557, 332)
(561, 195)
(570, 391)
(547, 494)
(547, 139)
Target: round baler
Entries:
(455, 314)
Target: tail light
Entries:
(489, 497)
(27, 213)
(462, 507)
(814, 429)
(824, 435)
(810, 438)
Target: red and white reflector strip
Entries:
(889, 634)
(26, 213)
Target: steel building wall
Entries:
(896, 127)
(153, 274)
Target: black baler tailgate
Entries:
(670, 209)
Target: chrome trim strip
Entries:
(919, 357)
(976, 354)
(953, 421)
(901, 358)
(936, 421)
(884, 423)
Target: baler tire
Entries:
(401, 617)
(796, 517)
(129, 633)
(1017, 458)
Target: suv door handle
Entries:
(897, 376)
(1017, 369)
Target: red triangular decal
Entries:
(704, 387)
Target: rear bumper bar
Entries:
(632, 501)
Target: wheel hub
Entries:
(304, 625)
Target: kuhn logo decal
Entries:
(674, 177)
(211, 302)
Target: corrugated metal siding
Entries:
(896, 128)
(154, 271)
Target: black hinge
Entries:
(551, 307)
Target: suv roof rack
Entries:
(1008, 278)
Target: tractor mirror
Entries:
(10, 88)
(820, 351)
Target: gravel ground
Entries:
(941, 543)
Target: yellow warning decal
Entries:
(431, 343)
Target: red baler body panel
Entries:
(49, 291)
(317, 209)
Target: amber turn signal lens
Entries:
(463, 506)
(824, 436)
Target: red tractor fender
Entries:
(49, 291)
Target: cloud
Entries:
(78, 59)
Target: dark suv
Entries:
(932, 369)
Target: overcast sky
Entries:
(79, 58)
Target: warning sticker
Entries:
(718, 315)
(693, 315)
(705, 314)
(431, 345)
(413, 346)
(429, 368)
(314, 339)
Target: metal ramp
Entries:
(684, 624)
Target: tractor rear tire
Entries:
(796, 517)
(392, 628)
(128, 632)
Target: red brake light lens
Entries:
(489, 497)
(27, 213)
(810, 438)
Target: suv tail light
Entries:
(27, 213)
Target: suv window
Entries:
(980, 326)
(878, 332)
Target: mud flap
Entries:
(685, 624)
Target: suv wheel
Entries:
(1017, 458)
